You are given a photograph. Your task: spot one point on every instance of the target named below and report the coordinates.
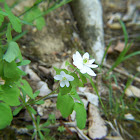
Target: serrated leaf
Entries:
(65, 104)
(80, 115)
(17, 110)
(10, 95)
(8, 33)
(26, 88)
(24, 62)
(16, 23)
(5, 115)
(40, 23)
(13, 52)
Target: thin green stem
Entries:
(41, 98)
(25, 105)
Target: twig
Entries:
(82, 134)
(121, 37)
(71, 124)
(123, 73)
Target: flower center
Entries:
(85, 60)
(64, 78)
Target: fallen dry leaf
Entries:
(132, 91)
(120, 46)
(43, 88)
(97, 128)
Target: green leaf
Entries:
(36, 93)
(5, 115)
(34, 134)
(13, 52)
(124, 31)
(83, 78)
(34, 15)
(64, 90)
(61, 129)
(17, 110)
(10, 95)
(59, 70)
(41, 135)
(16, 23)
(75, 95)
(31, 110)
(26, 88)
(8, 33)
(12, 72)
(24, 62)
(75, 82)
(40, 102)
(80, 115)
(1, 19)
(1, 68)
(38, 120)
(47, 123)
(65, 104)
(29, 127)
(40, 23)
(52, 118)
(10, 69)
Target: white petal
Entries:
(86, 55)
(67, 83)
(78, 64)
(91, 61)
(92, 66)
(83, 70)
(90, 72)
(77, 56)
(62, 83)
(62, 73)
(69, 77)
(58, 77)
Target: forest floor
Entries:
(55, 44)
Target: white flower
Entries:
(84, 64)
(64, 79)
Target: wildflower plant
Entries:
(14, 90)
(68, 98)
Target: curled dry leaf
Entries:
(97, 128)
